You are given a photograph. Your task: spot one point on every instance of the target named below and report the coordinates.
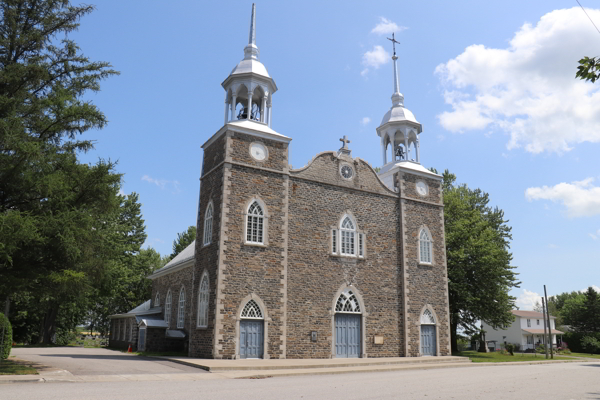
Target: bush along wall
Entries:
(6, 339)
(573, 339)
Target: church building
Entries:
(330, 260)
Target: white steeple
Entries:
(399, 128)
(249, 87)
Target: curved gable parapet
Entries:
(325, 167)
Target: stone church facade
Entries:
(330, 260)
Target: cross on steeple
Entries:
(345, 141)
(394, 41)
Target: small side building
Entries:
(527, 330)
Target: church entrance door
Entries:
(347, 335)
(251, 338)
(142, 340)
(428, 344)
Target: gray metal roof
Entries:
(185, 256)
(175, 334)
(151, 321)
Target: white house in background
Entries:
(527, 329)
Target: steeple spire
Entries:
(252, 36)
(397, 98)
(251, 50)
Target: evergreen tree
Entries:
(586, 317)
(184, 239)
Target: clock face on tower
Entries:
(346, 171)
(258, 151)
(422, 188)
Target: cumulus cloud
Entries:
(528, 89)
(374, 59)
(385, 26)
(595, 235)
(527, 300)
(365, 121)
(581, 198)
(162, 183)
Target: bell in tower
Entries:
(249, 88)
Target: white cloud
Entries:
(581, 198)
(385, 26)
(596, 235)
(528, 89)
(527, 300)
(365, 121)
(552, 246)
(121, 192)
(375, 59)
(162, 183)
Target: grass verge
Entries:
(16, 367)
(475, 356)
(586, 355)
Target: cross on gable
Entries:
(345, 141)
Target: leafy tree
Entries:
(479, 271)
(184, 239)
(5, 337)
(571, 308)
(43, 77)
(588, 69)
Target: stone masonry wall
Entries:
(427, 285)
(315, 276)
(252, 270)
(207, 256)
(174, 282)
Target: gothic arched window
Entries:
(347, 303)
(208, 222)
(348, 234)
(157, 300)
(181, 310)
(203, 302)
(252, 311)
(425, 247)
(255, 224)
(168, 308)
(427, 318)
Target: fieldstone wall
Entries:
(207, 256)
(126, 325)
(426, 284)
(174, 282)
(252, 270)
(319, 197)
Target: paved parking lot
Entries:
(99, 361)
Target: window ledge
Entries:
(201, 327)
(347, 256)
(255, 244)
(426, 263)
(206, 244)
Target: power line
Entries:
(588, 16)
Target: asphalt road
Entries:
(98, 361)
(547, 382)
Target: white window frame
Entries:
(203, 297)
(252, 310)
(168, 305)
(425, 247)
(131, 331)
(528, 323)
(208, 224)
(355, 235)
(157, 300)
(181, 309)
(255, 221)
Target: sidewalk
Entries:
(247, 369)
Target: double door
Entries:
(251, 338)
(428, 344)
(347, 335)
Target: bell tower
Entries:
(249, 88)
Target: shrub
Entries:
(591, 344)
(510, 348)
(7, 328)
(64, 337)
(540, 348)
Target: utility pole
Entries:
(544, 319)
(549, 325)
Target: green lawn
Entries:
(585, 355)
(499, 357)
(14, 367)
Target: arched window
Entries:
(347, 303)
(208, 220)
(348, 234)
(168, 309)
(427, 318)
(252, 311)
(255, 224)
(424, 247)
(157, 300)
(181, 311)
(203, 302)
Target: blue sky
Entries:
(491, 82)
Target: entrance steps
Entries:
(289, 367)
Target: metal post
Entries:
(549, 325)
(544, 319)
